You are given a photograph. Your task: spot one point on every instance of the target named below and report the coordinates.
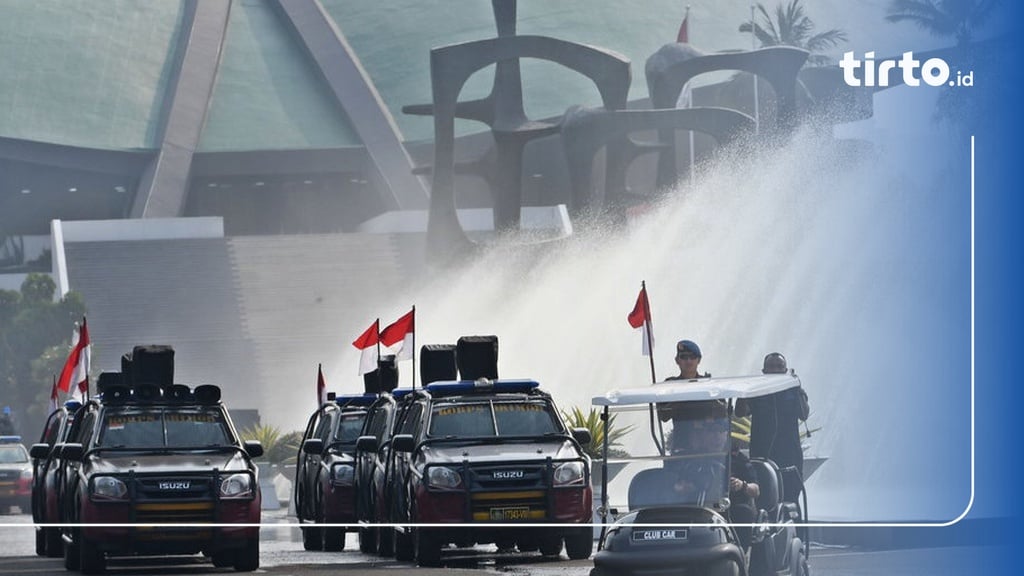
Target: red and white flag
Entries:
(321, 386)
(683, 36)
(402, 330)
(76, 368)
(369, 343)
(640, 317)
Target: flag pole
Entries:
(753, 46)
(413, 347)
(380, 379)
(689, 102)
(648, 329)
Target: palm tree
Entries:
(792, 27)
(591, 420)
(956, 18)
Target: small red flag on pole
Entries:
(321, 386)
(640, 317)
(684, 34)
(369, 343)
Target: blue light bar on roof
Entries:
(10, 439)
(482, 385)
(355, 399)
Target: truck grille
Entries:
(508, 493)
(184, 499)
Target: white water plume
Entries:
(855, 266)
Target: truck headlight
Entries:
(108, 488)
(26, 474)
(236, 486)
(343, 475)
(443, 477)
(569, 473)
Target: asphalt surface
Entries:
(282, 554)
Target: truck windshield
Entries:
(162, 428)
(349, 428)
(491, 419)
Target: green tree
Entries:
(34, 331)
(959, 19)
(591, 420)
(792, 27)
(278, 447)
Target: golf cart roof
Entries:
(699, 389)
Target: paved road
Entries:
(282, 554)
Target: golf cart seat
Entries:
(652, 487)
(769, 479)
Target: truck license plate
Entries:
(511, 513)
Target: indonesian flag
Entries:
(683, 36)
(402, 330)
(76, 368)
(640, 317)
(369, 342)
(321, 386)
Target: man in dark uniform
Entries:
(775, 423)
(688, 358)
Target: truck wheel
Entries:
(40, 541)
(334, 539)
(404, 549)
(428, 548)
(579, 545)
(312, 540)
(90, 558)
(248, 558)
(223, 559)
(550, 545)
(367, 540)
(386, 541)
(71, 553)
(54, 543)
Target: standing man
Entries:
(687, 359)
(775, 422)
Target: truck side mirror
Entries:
(72, 451)
(253, 448)
(39, 451)
(582, 435)
(403, 443)
(366, 444)
(313, 446)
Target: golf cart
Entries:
(676, 518)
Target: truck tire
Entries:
(428, 548)
(312, 540)
(550, 545)
(248, 558)
(54, 543)
(40, 541)
(90, 558)
(71, 553)
(404, 546)
(367, 540)
(334, 539)
(579, 545)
